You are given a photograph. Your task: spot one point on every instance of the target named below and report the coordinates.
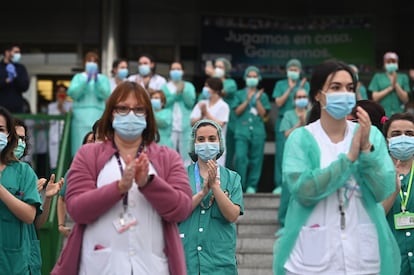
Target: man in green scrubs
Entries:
(390, 88)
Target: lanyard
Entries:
(404, 200)
(198, 185)
(125, 199)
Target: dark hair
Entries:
(10, 46)
(319, 77)
(95, 129)
(375, 111)
(60, 85)
(91, 54)
(85, 138)
(121, 92)
(21, 123)
(116, 63)
(177, 62)
(215, 84)
(398, 116)
(151, 58)
(7, 155)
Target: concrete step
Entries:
(256, 234)
(255, 271)
(261, 200)
(255, 260)
(256, 229)
(255, 245)
(258, 215)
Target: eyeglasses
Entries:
(22, 138)
(124, 110)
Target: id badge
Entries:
(124, 222)
(404, 220)
(253, 111)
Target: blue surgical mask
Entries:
(207, 150)
(91, 67)
(219, 72)
(391, 67)
(16, 57)
(3, 141)
(130, 126)
(122, 73)
(144, 69)
(301, 102)
(252, 82)
(401, 147)
(176, 75)
(339, 104)
(19, 150)
(293, 75)
(205, 93)
(156, 103)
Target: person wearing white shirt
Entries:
(213, 108)
(119, 72)
(60, 107)
(146, 75)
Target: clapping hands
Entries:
(360, 141)
(52, 187)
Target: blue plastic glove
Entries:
(11, 71)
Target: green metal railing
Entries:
(49, 236)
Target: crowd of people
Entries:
(161, 169)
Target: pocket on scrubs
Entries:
(35, 260)
(16, 261)
(368, 245)
(98, 262)
(313, 243)
(11, 232)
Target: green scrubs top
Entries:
(280, 88)
(249, 124)
(163, 118)
(391, 101)
(209, 239)
(363, 91)
(404, 237)
(19, 246)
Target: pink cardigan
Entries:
(169, 193)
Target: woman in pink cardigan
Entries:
(126, 196)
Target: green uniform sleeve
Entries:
(264, 99)
(169, 97)
(307, 182)
(363, 91)
(229, 87)
(189, 95)
(376, 168)
(288, 121)
(102, 87)
(279, 88)
(405, 83)
(77, 86)
(163, 118)
(374, 84)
